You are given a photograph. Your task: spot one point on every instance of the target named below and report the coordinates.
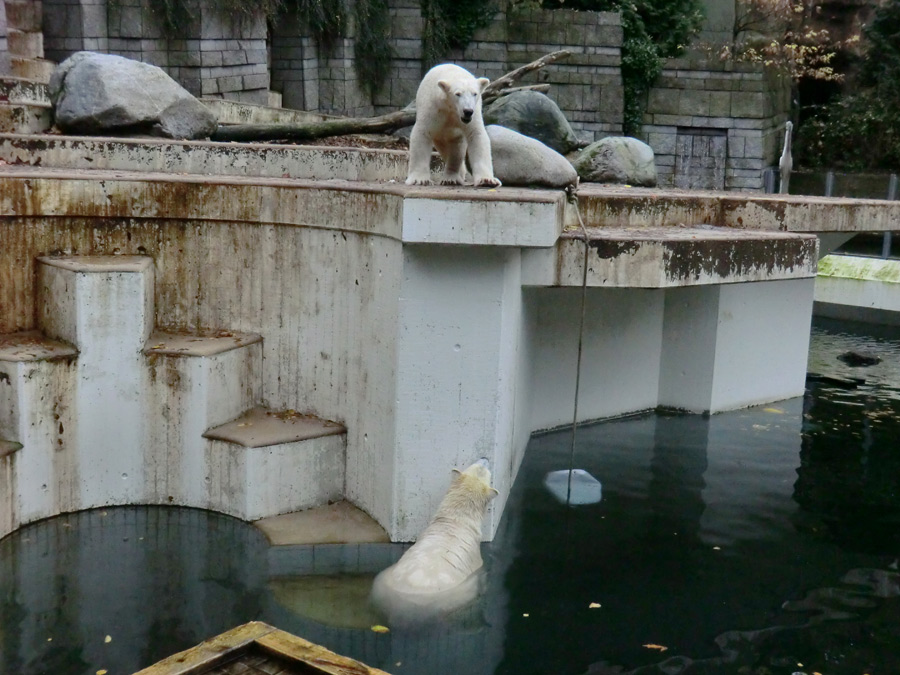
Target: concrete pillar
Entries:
(458, 370)
(104, 306)
(735, 345)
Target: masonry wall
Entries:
(715, 125)
(587, 86)
(208, 54)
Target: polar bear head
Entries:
(464, 95)
(473, 484)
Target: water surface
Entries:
(746, 542)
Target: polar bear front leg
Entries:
(480, 159)
(454, 154)
(420, 146)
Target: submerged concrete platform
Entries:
(437, 325)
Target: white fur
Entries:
(439, 572)
(447, 96)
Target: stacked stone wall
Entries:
(742, 106)
(587, 86)
(207, 53)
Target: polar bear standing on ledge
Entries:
(438, 574)
(448, 117)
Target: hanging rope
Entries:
(573, 199)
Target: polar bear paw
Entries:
(488, 181)
(413, 180)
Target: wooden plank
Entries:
(323, 660)
(206, 654)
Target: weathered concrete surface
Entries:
(634, 207)
(204, 158)
(233, 112)
(20, 90)
(259, 428)
(339, 523)
(859, 289)
(674, 256)
(25, 118)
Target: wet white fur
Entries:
(439, 572)
(444, 94)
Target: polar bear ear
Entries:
(455, 472)
(494, 492)
(443, 84)
(483, 82)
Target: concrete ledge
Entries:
(99, 264)
(673, 256)
(261, 428)
(465, 215)
(603, 206)
(33, 346)
(25, 118)
(858, 289)
(20, 90)
(185, 344)
(203, 157)
(339, 523)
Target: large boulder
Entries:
(521, 160)
(102, 94)
(617, 159)
(533, 114)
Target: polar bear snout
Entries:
(466, 116)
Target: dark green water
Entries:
(746, 542)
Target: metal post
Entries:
(829, 184)
(892, 195)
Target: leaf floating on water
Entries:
(777, 411)
(657, 647)
(107, 639)
(102, 671)
(377, 628)
(594, 605)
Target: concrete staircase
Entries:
(99, 408)
(24, 106)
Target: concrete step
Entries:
(36, 374)
(39, 70)
(25, 118)
(20, 90)
(269, 462)
(196, 381)
(28, 44)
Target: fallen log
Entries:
(381, 124)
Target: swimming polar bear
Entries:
(439, 573)
(448, 117)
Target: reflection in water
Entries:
(745, 542)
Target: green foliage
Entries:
(862, 130)
(373, 52)
(451, 24)
(653, 30)
(327, 19)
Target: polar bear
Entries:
(448, 117)
(439, 573)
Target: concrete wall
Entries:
(714, 124)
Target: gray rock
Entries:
(617, 159)
(533, 114)
(521, 160)
(102, 93)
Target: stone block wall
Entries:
(587, 86)
(715, 124)
(4, 42)
(208, 54)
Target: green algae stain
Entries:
(861, 269)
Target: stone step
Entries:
(20, 90)
(28, 44)
(39, 70)
(269, 462)
(25, 118)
